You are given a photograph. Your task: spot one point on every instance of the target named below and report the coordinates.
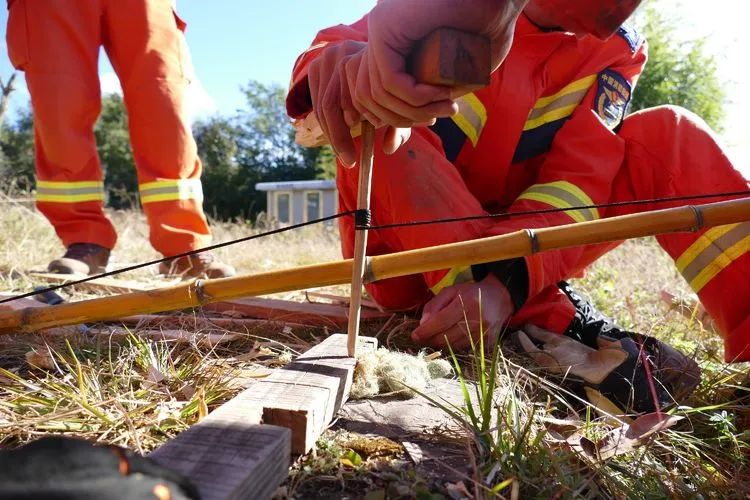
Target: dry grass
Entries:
(141, 392)
(29, 243)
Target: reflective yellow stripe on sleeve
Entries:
(455, 276)
(471, 117)
(171, 190)
(713, 251)
(560, 105)
(563, 194)
(69, 192)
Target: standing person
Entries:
(548, 132)
(56, 43)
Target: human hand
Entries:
(613, 376)
(331, 95)
(353, 81)
(385, 92)
(560, 354)
(462, 310)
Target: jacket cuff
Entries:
(512, 273)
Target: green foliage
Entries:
(113, 143)
(678, 72)
(17, 152)
(325, 164)
(255, 145)
(217, 145)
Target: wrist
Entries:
(512, 274)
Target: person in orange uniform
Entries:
(57, 45)
(550, 131)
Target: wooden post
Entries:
(360, 235)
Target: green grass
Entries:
(139, 393)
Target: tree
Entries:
(255, 145)
(17, 152)
(678, 72)
(325, 164)
(115, 153)
(267, 134)
(225, 190)
(6, 89)
(266, 148)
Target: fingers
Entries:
(439, 321)
(331, 96)
(337, 128)
(544, 360)
(389, 49)
(525, 342)
(440, 301)
(394, 138)
(457, 337)
(543, 335)
(388, 82)
(384, 106)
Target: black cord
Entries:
(184, 254)
(363, 221)
(552, 210)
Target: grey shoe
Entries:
(81, 258)
(196, 266)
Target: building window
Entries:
(313, 201)
(284, 207)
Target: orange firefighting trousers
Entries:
(56, 43)
(668, 152)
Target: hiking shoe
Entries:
(202, 265)
(675, 373)
(81, 258)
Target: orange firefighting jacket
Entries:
(541, 135)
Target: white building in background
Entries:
(294, 202)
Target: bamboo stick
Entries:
(508, 246)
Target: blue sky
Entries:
(234, 41)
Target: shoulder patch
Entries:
(612, 97)
(630, 35)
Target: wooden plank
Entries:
(434, 440)
(227, 459)
(229, 455)
(202, 339)
(340, 299)
(306, 394)
(100, 285)
(18, 304)
(452, 58)
(313, 314)
(203, 322)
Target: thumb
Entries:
(395, 138)
(543, 359)
(525, 342)
(543, 335)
